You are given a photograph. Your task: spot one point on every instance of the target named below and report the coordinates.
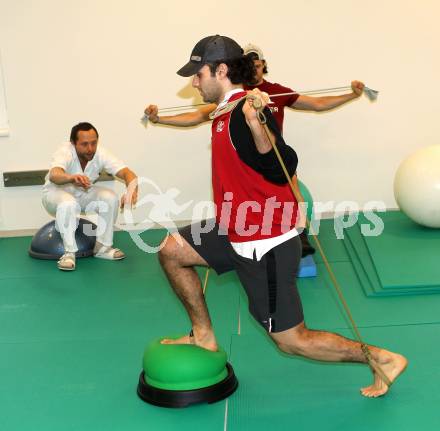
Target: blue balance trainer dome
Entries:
(48, 244)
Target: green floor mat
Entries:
(16, 261)
(325, 228)
(71, 344)
(278, 392)
(368, 280)
(86, 386)
(333, 248)
(43, 309)
(95, 305)
(405, 254)
(366, 271)
(71, 347)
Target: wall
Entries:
(103, 61)
(4, 128)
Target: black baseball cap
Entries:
(210, 49)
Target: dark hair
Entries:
(254, 56)
(241, 70)
(84, 127)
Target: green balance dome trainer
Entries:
(178, 375)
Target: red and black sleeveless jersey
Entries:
(253, 199)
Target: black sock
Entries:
(307, 248)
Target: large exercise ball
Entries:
(417, 186)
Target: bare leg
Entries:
(178, 262)
(327, 346)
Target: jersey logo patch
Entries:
(220, 126)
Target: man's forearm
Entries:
(330, 102)
(59, 177)
(127, 176)
(186, 119)
(261, 139)
(324, 103)
(180, 120)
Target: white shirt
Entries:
(261, 246)
(65, 157)
(228, 95)
(258, 247)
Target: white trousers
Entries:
(66, 208)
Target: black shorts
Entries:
(270, 283)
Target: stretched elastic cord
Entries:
(365, 349)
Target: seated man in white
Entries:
(70, 189)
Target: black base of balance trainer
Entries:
(168, 398)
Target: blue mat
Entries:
(307, 267)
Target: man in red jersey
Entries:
(255, 215)
(294, 101)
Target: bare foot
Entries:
(393, 365)
(207, 342)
